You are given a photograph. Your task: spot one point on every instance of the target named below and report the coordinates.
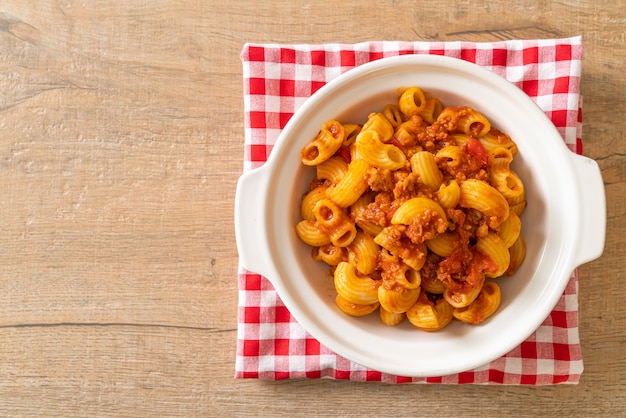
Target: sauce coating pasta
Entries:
(421, 212)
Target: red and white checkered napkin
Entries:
(277, 80)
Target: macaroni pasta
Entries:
(416, 211)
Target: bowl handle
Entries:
(250, 223)
(593, 209)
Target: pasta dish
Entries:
(416, 211)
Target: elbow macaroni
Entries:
(423, 163)
(413, 210)
(377, 153)
(351, 186)
(325, 144)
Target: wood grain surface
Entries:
(121, 141)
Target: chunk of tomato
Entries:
(478, 151)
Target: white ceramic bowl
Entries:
(563, 225)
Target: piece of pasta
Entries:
(361, 290)
(417, 207)
(309, 200)
(518, 208)
(431, 284)
(406, 133)
(377, 122)
(497, 139)
(474, 123)
(505, 180)
(412, 254)
(444, 244)
(517, 204)
(431, 110)
(495, 248)
(479, 195)
(397, 300)
(357, 211)
(463, 298)
(390, 318)
(424, 165)
(333, 170)
(500, 158)
(451, 156)
(508, 183)
(412, 101)
(309, 233)
(408, 278)
(354, 151)
(449, 194)
(518, 254)
(334, 222)
(400, 275)
(460, 139)
(362, 253)
(510, 229)
(517, 200)
(464, 120)
(393, 114)
(324, 145)
(483, 307)
(428, 315)
(352, 185)
(354, 309)
(378, 154)
(329, 254)
(351, 130)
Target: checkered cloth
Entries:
(277, 80)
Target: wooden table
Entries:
(121, 139)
